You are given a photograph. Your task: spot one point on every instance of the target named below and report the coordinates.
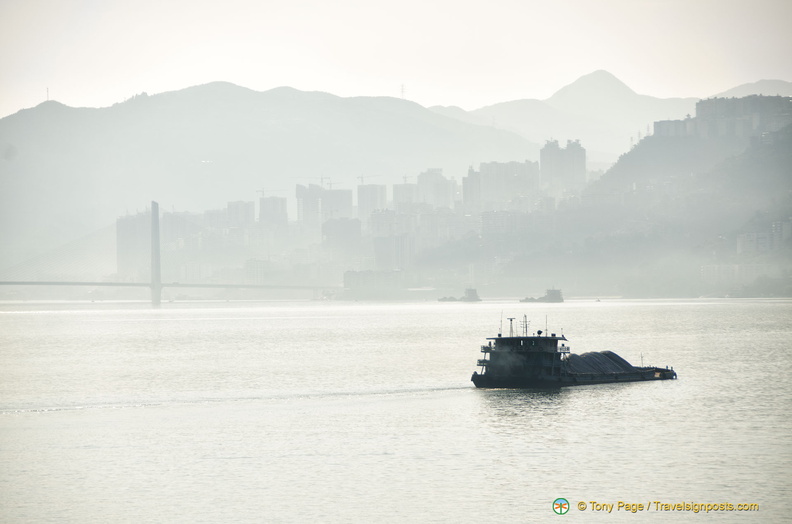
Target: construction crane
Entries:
(321, 180)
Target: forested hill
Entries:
(65, 171)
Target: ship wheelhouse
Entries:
(525, 355)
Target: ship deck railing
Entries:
(525, 349)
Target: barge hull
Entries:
(570, 379)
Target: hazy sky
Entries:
(449, 52)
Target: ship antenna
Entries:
(511, 326)
(500, 331)
(545, 324)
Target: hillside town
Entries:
(437, 232)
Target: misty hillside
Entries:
(762, 87)
(671, 205)
(67, 171)
(701, 185)
(675, 204)
(598, 109)
(668, 208)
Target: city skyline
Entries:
(503, 226)
(94, 55)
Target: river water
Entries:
(364, 412)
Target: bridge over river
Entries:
(156, 285)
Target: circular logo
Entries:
(560, 506)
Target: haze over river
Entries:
(364, 412)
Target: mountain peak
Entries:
(597, 85)
(762, 87)
(212, 89)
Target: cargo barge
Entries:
(551, 295)
(542, 360)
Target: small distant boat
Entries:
(540, 360)
(551, 295)
(471, 295)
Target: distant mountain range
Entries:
(599, 110)
(762, 87)
(66, 171)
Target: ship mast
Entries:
(525, 324)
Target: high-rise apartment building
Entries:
(133, 246)
(370, 198)
(316, 205)
(436, 190)
(562, 169)
(405, 196)
(272, 211)
(240, 214)
(500, 186)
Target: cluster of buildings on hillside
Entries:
(739, 118)
(373, 237)
(333, 233)
(752, 245)
(495, 186)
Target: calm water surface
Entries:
(353, 412)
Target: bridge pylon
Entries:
(156, 262)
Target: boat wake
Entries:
(266, 397)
